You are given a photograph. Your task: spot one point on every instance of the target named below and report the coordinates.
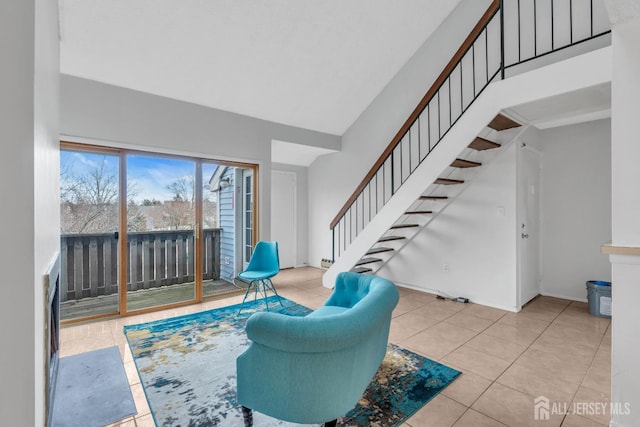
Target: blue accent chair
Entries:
(263, 265)
(314, 369)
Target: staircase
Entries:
(454, 131)
(452, 182)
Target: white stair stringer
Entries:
(562, 77)
(455, 141)
(504, 138)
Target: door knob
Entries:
(525, 236)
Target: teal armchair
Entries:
(314, 369)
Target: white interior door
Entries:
(283, 216)
(528, 232)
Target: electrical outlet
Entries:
(445, 267)
(226, 260)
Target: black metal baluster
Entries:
(401, 162)
(362, 215)
(344, 233)
(356, 209)
(535, 28)
(377, 179)
(461, 88)
(429, 125)
(393, 173)
(570, 21)
(519, 35)
(419, 140)
(410, 151)
(333, 244)
(591, 15)
(369, 202)
(473, 67)
(351, 224)
(449, 86)
(552, 28)
(486, 53)
(384, 183)
(502, 61)
(439, 130)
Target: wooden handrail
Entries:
(448, 69)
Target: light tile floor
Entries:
(552, 348)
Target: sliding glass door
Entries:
(89, 223)
(143, 231)
(161, 227)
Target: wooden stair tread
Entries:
(390, 238)
(433, 197)
(446, 181)
(501, 122)
(369, 260)
(397, 226)
(361, 270)
(481, 144)
(418, 212)
(379, 250)
(461, 163)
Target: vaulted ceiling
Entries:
(315, 64)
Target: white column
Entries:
(625, 176)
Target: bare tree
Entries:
(183, 189)
(179, 213)
(90, 200)
(136, 219)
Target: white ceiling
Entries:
(315, 64)
(296, 154)
(579, 106)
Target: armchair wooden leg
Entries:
(330, 423)
(247, 415)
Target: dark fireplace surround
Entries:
(51, 333)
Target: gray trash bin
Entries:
(599, 296)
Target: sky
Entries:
(150, 176)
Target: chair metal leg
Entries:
(264, 293)
(245, 295)
(273, 288)
(247, 416)
(261, 286)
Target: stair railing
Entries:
(535, 29)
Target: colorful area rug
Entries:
(187, 365)
(92, 390)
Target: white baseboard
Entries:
(437, 292)
(551, 294)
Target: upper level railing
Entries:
(509, 33)
(89, 262)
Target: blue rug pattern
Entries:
(187, 368)
(92, 390)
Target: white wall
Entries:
(101, 113)
(332, 178)
(29, 187)
(480, 247)
(477, 243)
(575, 207)
(302, 218)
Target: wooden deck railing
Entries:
(158, 258)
